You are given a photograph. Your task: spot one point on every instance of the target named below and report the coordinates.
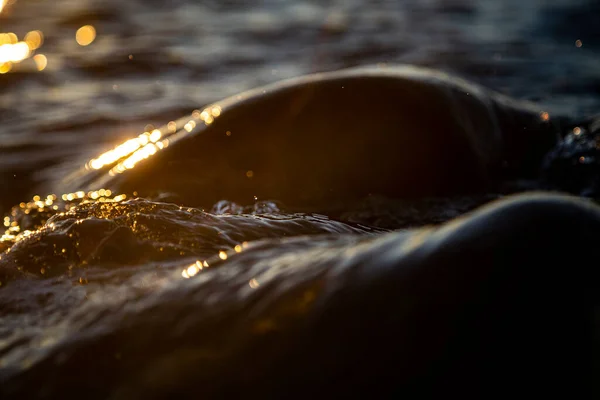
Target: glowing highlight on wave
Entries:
(198, 266)
(125, 149)
(41, 209)
(128, 154)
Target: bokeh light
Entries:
(34, 39)
(5, 67)
(40, 61)
(85, 35)
(13, 51)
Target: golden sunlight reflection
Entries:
(198, 266)
(193, 269)
(34, 39)
(123, 150)
(132, 151)
(155, 135)
(189, 126)
(215, 111)
(2, 3)
(85, 35)
(140, 155)
(13, 51)
(49, 205)
(5, 67)
(40, 61)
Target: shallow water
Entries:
(106, 276)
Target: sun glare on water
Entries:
(129, 153)
(13, 51)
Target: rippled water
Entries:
(187, 54)
(117, 296)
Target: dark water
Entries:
(105, 295)
(187, 54)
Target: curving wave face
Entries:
(319, 140)
(110, 295)
(117, 233)
(459, 308)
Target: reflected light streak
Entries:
(147, 144)
(192, 269)
(123, 150)
(155, 135)
(139, 155)
(190, 126)
(216, 111)
(198, 266)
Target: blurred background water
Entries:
(96, 72)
